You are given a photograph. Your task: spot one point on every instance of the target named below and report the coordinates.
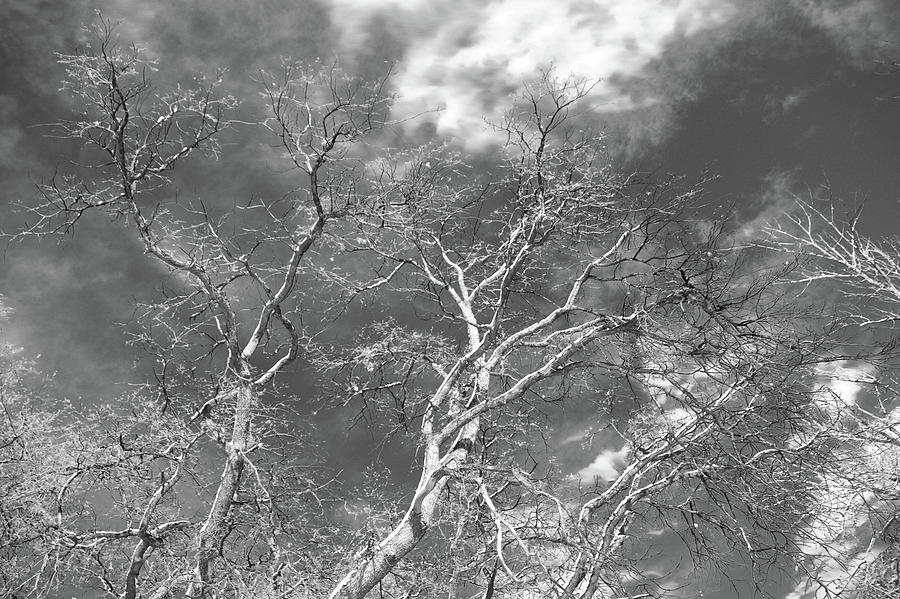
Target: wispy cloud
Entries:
(863, 28)
(776, 198)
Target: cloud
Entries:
(237, 36)
(792, 100)
(776, 198)
(842, 384)
(581, 435)
(842, 533)
(468, 57)
(10, 157)
(652, 57)
(606, 465)
(862, 28)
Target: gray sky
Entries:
(774, 96)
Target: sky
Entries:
(773, 97)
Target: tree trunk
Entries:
(215, 527)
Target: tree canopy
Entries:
(482, 305)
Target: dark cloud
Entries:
(241, 36)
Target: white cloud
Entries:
(606, 465)
(467, 56)
(838, 538)
(839, 535)
(842, 384)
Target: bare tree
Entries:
(860, 514)
(206, 345)
(22, 526)
(562, 282)
(547, 283)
